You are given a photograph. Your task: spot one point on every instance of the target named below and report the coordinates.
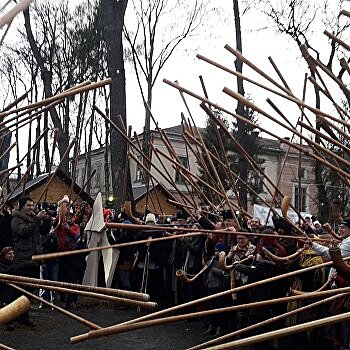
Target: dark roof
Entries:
(269, 143)
(41, 179)
(140, 191)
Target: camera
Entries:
(50, 208)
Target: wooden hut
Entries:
(156, 200)
(60, 185)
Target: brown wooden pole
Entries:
(200, 160)
(65, 155)
(142, 173)
(145, 322)
(16, 101)
(189, 173)
(9, 169)
(251, 105)
(54, 141)
(122, 134)
(5, 347)
(18, 184)
(322, 160)
(190, 233)
(140, 164)
(8, 150)
(100, 296)
(172, 152)
(31, 148)
(99, 290)
(31, 116)
(83, 187)
(318, 112)
(58, 308)
(168, 145)
(87, 86)
(246, 155)
(303, 327)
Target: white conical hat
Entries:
(96, 222)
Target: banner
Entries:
(261, 212)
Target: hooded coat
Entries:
(26, 237)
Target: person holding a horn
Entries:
(344, 233)
(25, 227)
(67, 232)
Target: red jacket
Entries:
(67, 235)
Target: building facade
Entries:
(296, 180)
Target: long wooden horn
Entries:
(327, 227)
(225, 267)
(128, 210)
(339, 262)
(15, 309)
(283, 332)
(284, 209)
(184, 277)
(181, 275)
(285, 205)
(282, 259)
(265, 322)
(141, 322)
(58, 308)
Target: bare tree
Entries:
(113, 13)
(161, 26)
(299, 19)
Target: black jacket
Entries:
(26, 237)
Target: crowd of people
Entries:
(252, 252)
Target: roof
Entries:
(140, 191)
(42, 179)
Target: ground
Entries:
(54, 329)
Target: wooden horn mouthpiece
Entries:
(285, 205)
(222, 262)
(181, 275)
(12, 311)
(339, 262)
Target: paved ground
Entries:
(53, 331)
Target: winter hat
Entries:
(150, 218)
(220, 247)
(4, 251)
(346, 222)
(65, 199)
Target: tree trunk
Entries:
(240, 110)
(46, 76)
(113, 13)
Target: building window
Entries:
(302, 173)
(300, 192)
(184, 162)
(138, 174)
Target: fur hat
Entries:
(150, 218)
(65, 199)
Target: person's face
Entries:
(344, 231)
(10, 255)
(242, 241)
(230, 222)
(308, 220)
(28, 208)
(254, 223)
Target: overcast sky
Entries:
(210, 40)
(258, 45)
